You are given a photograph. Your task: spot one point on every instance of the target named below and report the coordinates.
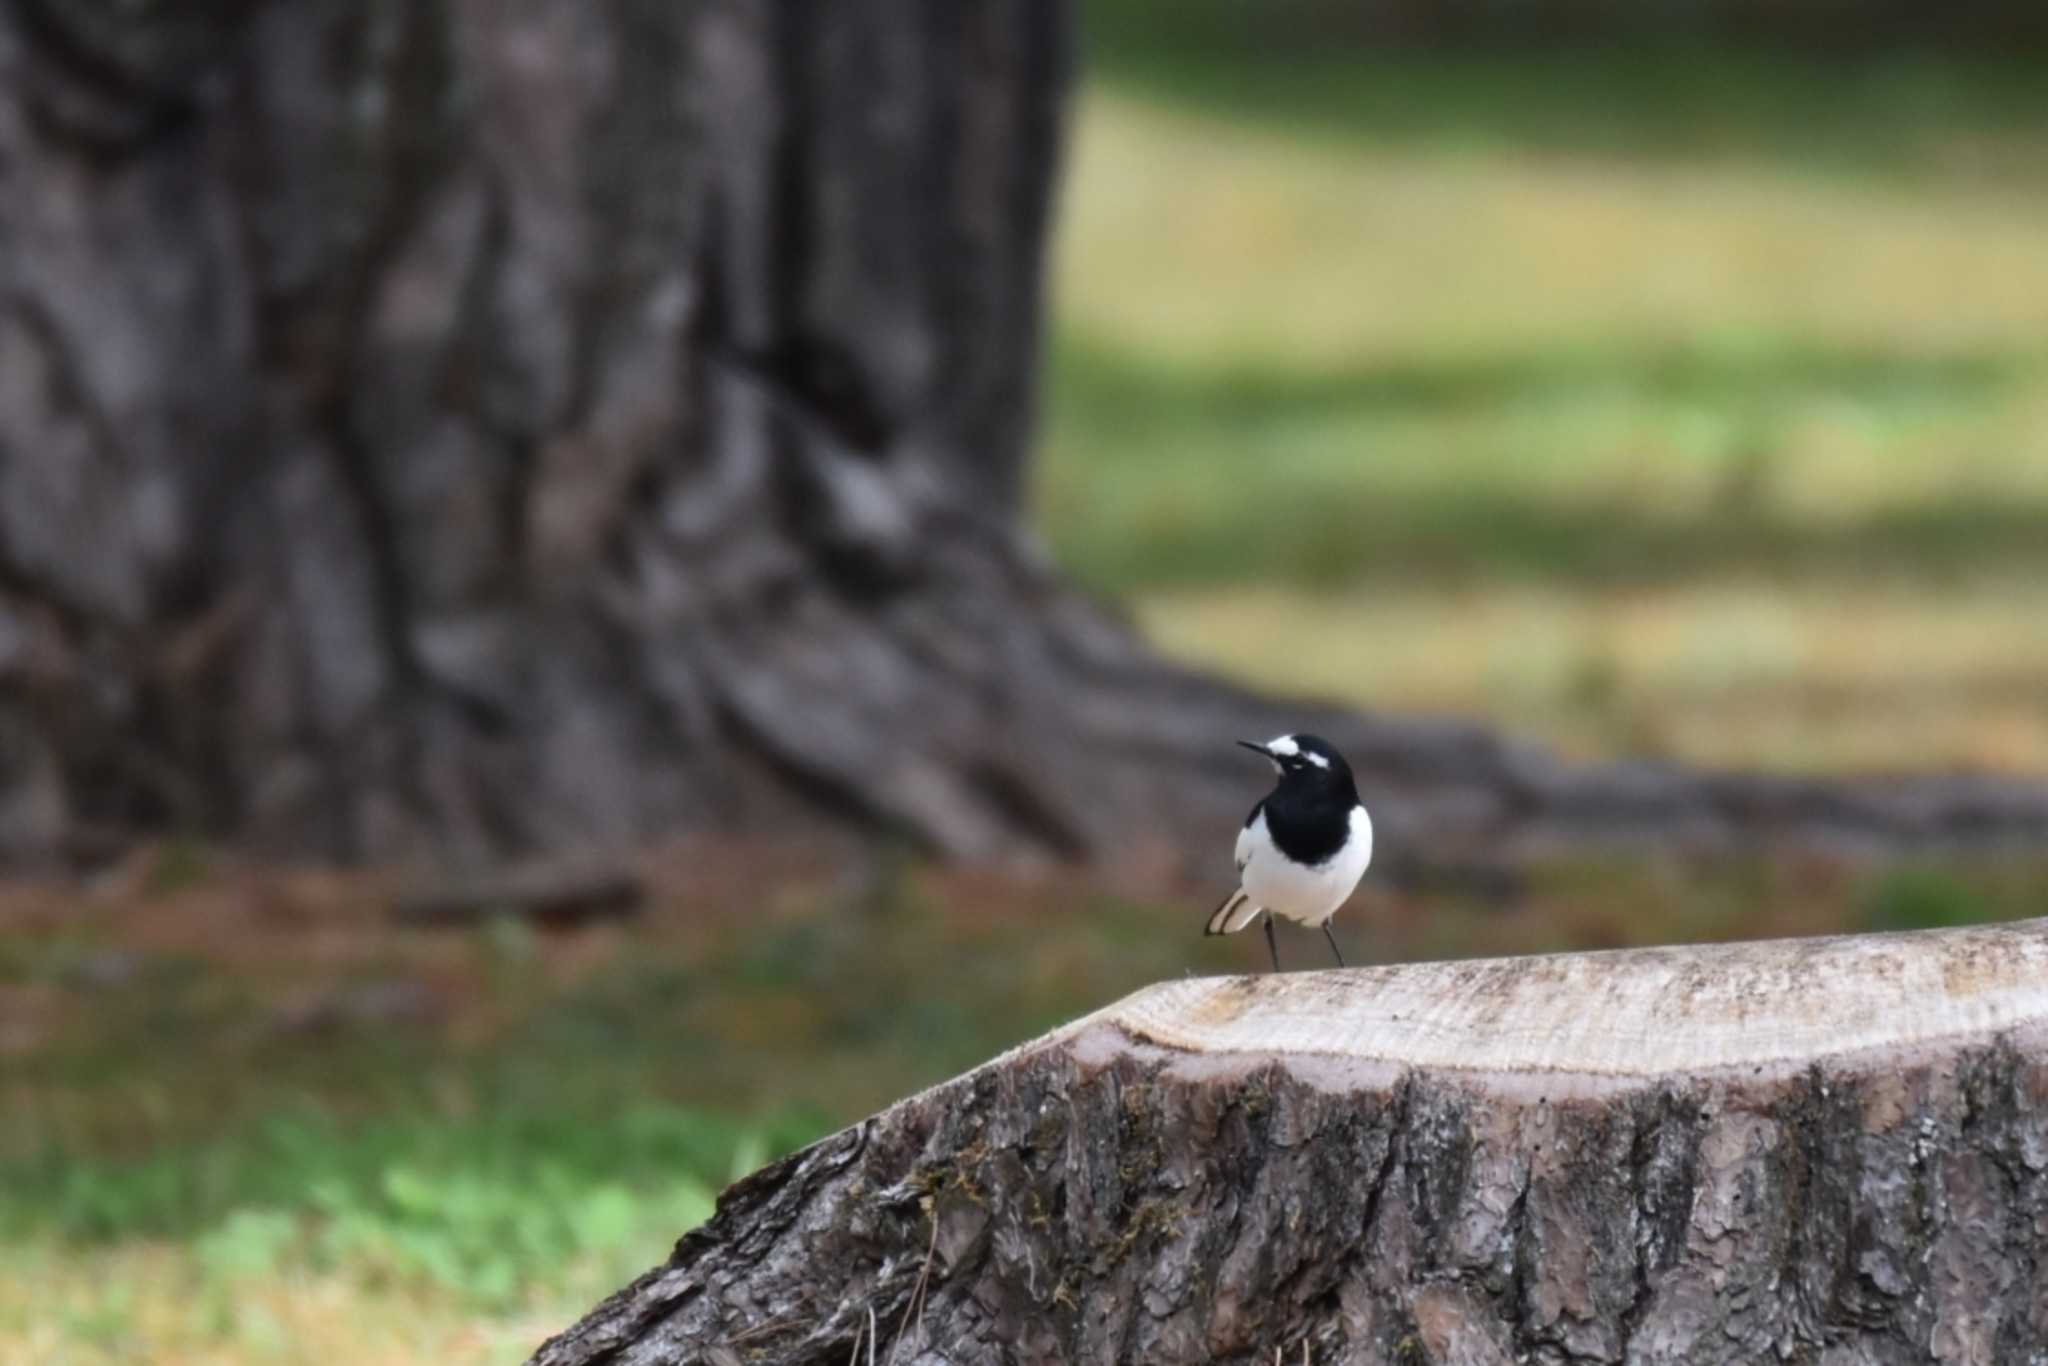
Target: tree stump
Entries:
(1827, 1151)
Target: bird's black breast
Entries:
(1308, 828)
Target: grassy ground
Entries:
(1626, 447)
(1688, 405)
(1811, 673)
(251, 1120)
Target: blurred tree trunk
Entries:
(1818, 1151)
(481, 426)
(462, 427)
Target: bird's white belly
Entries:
(1308, 895)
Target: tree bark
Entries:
(454, 428)
(1824, 1151)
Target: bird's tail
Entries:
(1236, 912)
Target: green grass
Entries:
(1306, 69)
(487, 1158)
(483, 1208)
(1672, 411)
(1307, 363)
(1588, 465)
(1871, 672)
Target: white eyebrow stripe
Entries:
(1283, 745)
(1318, 760)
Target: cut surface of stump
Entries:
(1828, 1150)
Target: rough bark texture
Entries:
(471, 427)
(508, 425)
(1739, 1172)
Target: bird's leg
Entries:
(1272, 947)
(1330, 935)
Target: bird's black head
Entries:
(1307, 763)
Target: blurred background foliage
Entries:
(1671, 380)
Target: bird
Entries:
(1304, 846)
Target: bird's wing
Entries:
(1239, 910)
(1245, 838)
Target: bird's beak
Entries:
(1256, 748)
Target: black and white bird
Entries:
(1303, 847)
